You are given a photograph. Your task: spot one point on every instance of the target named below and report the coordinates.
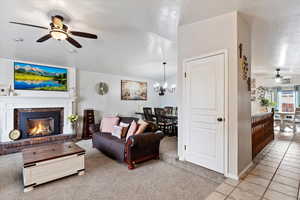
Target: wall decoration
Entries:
(14, 134)
(261, 92)
(102, 88)
(133, 90)
(252, 88)
(38, 77)
(244, 65)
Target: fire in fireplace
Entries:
(40, 127)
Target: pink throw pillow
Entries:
(132, 129)
(108, 123)
(142, 127)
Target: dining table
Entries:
(283, 118)
(167, 116)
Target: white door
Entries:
(205, 89)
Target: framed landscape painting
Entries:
(133, 90)
(38, 77)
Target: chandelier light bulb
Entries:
(165, 85)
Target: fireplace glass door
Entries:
(40, 126)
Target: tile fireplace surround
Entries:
(9, 103)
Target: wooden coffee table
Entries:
(50, 162)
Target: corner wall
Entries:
(244, 103)
(202, 38)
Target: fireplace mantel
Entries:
(9, 103)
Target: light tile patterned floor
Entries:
(275, 176)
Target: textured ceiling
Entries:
(136, 35)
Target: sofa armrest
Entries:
(142, 147)
(94, 128)
(144, 139)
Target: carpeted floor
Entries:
(107, 179)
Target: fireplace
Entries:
(39, 122)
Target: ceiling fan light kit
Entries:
(58, 34)
(278, 77)
(59, 31)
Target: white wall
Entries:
(170, 99)
(110, 103)
(202, 38)
(244, 103)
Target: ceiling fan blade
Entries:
(83, 34)
(44, 38)
(73, 42)
(31, 25)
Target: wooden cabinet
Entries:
(262, 131)
(88, 119)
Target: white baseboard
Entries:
(238, 177)
(243, 173)
(232, 176)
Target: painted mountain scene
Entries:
(37, 77)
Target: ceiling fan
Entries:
(280, 78)
(59, 31)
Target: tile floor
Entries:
(275, 175)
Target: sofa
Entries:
(136, 149)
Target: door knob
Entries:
(220, 119)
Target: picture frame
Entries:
(37, 77)
(133, 90)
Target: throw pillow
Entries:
(142, 127)
(108, 123)
(125, 127)
(117, 132)
(132, 129)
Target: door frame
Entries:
(226, 105)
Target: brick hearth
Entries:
(17, 146)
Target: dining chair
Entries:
(169, 110)
(296, 119)
(291, 120)
(148, 114)
(163, 123)
(176, 111)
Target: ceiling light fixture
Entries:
(59, 31)
(58, 34)
(278, 78)
(162, 89)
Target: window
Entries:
(286, 101)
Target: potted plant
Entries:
(267, 104)
(73, 119)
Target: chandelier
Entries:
(162, 89)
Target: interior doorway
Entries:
(205, 89)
